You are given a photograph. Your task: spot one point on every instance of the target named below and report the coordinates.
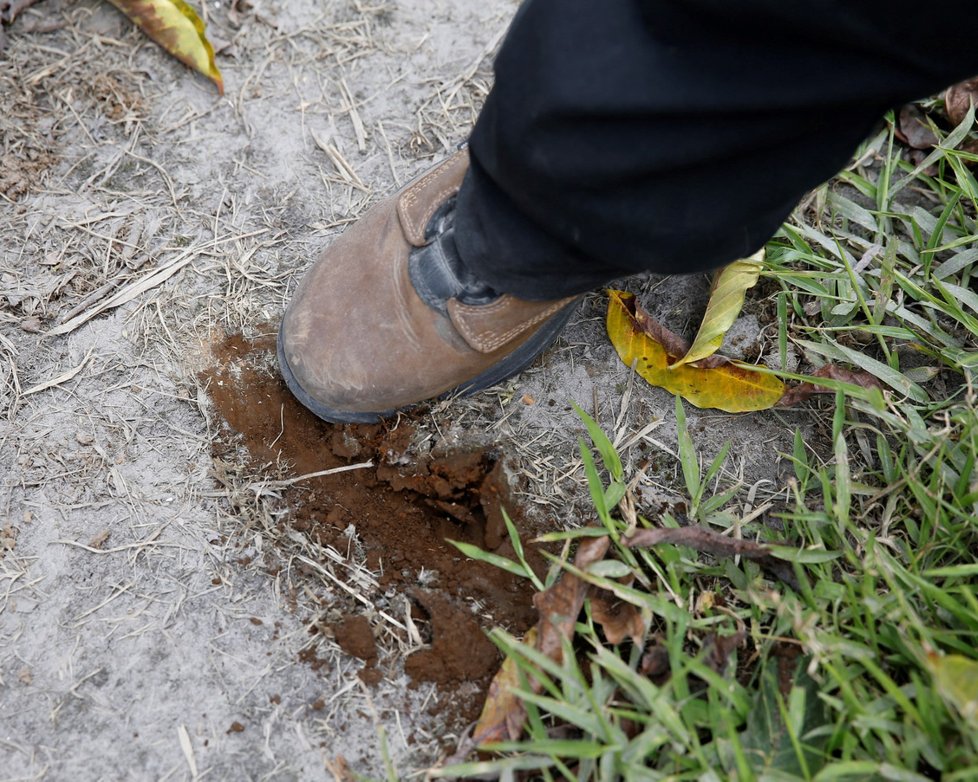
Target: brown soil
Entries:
(404, 509)
(354, 636)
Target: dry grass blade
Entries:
(340, 163)
(188, 750)
(62, 378)
(260, 486)
(356, 595)
(147, 282)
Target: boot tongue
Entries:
(437, 271)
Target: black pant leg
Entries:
(676, 135)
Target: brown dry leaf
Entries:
(803, 391)
(99, 540)
(913, 129)
(731, 386)
(619, 620)
(8, 538)
(503, 715)
(655, 663)
(718, 648)
(340, 769)
(707, 541)
(670, 340)
(559, 606)
(959, 98)
(175, 26)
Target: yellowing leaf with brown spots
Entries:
(731, 386)
(175, 26)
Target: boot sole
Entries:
(511, 365)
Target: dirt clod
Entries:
(354, 636)
(453, 629)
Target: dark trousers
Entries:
(674, 136)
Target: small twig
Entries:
(710, 542)
(114, 550)
(344, 169)
(99, 293)
(354, 117)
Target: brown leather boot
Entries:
(389, 316)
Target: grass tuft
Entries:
(866, 670)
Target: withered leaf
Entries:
(707, 541)
(503, 715)
(560, 605)
(618, 620)
(674, 344)
(9, 9)
(718, 648)
(804, 391)
(100, 539)
(913, 128)
(959, 99)
(655, 663)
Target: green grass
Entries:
(869, 669)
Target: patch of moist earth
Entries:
(403, 509)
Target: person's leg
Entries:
(677, 135)
(630, 135)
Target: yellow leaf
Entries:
(732, 386)
(956, 678)
(726, 301)
(175, 26)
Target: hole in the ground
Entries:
(400, 511)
